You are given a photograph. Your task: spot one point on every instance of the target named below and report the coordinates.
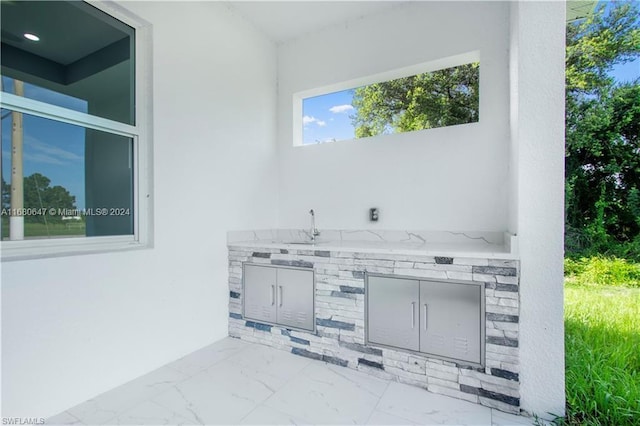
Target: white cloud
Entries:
(52, 151)
(43, 158)
(339, 109)
(36, 151)
(309, 119)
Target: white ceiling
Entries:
(285, 20)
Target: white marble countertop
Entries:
(454, 245)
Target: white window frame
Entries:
(141, 133)
(430, 66)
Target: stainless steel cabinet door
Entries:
(260, 293)
(392, 316)
(450, 320)
(295, 298)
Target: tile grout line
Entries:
(78, 421)
(312, 362)
(284, 385)
(248, 345)
(173, 412)
(286, 382)
(388, 413)
(251, 411)
(375, 407)
(150, 398)
(199, 371)
(180, 417)
(329, 365)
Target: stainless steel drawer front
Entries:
(283, 296)
(392, 312)
(441, 318)
(451, 320)
(259, 289)
(295, 298)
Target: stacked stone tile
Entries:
(340, 319)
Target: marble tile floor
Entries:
(235, 382)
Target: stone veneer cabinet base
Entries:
(340, 319)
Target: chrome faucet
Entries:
(314, 231)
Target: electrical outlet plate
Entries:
(373, 214)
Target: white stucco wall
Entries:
(538, 132)
(452, 178)
(73, 327)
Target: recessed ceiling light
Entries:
(31, 37)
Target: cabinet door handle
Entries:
(425, 316)
(413, 314)
(273, 295)
(281, 292)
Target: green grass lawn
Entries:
(602, 271)
(602, 350)
(67, 228)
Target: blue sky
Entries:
(623, 73)
(626, 72)
(326, 117)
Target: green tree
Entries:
(602, 127)
(6, 194)
(434, 99)
(38, 194)
(597, 43)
